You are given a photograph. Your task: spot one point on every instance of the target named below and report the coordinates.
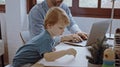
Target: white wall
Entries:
(15, 16)
(85, 23)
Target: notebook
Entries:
(97, 32)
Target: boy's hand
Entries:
(71, 51)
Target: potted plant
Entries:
(96, 53)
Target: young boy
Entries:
(42, 46)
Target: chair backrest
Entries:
(25, 36)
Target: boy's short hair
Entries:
(55, 14)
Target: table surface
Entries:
(69, 60)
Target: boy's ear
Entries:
(49, 26)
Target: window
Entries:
(91, 8)
(68, 2)
(2, 2)
(108, 4)
(88, 3)
(98, 8)
(39, 1)
(2, 5)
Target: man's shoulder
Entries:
(37, 6)
(63, 5)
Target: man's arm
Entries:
(35, 18)
(73, 27)
(52, 56)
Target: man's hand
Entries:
(71, 51)
(78, 37)
(71, 38)
(83, 35)
(66, 38)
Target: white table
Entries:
(68, 60)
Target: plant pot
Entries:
(94, 65)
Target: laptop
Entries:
(97, 32)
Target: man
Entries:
(37, 15)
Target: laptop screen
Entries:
(98, 31)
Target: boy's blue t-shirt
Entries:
(34, 50)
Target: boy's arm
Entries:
(52, 56)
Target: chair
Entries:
(25, 36)
(9, 65)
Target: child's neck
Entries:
(51, 34)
